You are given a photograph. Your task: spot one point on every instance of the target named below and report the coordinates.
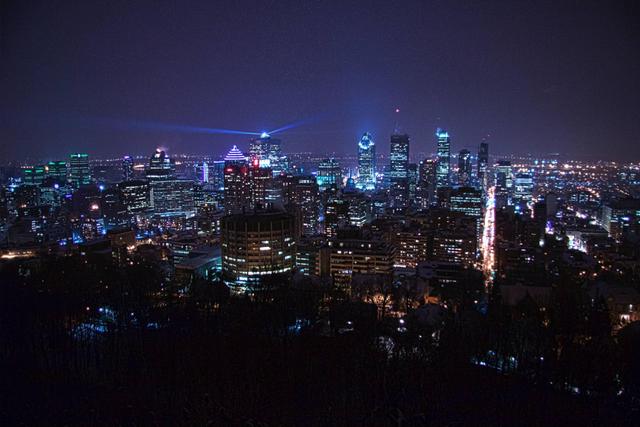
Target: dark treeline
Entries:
(162, 357)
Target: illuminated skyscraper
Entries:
(329, 173)
(161, 167)
(523, 189)
(135, 196)
(202, 172)
(399, 170)
(33, 175)
(464, 167)
(483, 165)
(236, 182)
(399, 157)
(173, 197)
(469, 201)
(366, 163)
(268, 152)
(79, 170)
(57, 170)
(504, 183)
(425, 190)
(127, 168)
(302, 194)
(444, 159)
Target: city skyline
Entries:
(303, 212)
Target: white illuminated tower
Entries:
(444, 159)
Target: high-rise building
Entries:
(79, 170)
(173, 197)
(127, 168)
(399, 170)
(399, 157)
(135, 196)
(351, 256)
(469, 201)
(412, 179)
(202, 172)
(443, 178)
(302, 192)
(504, 183)
(260, 184)
(425, 190)
(114, 213)
(523, 189)
(464, 167)
(366, 163)
(256, 248)
(33, 175)
(621, 216)
(216, 174)
(329, 174)
(161, 167)
(236, 182)
(268, 152)
(336, 212)
(483, 165)
(57, 170)
(246, 185)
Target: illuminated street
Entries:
(488, 238)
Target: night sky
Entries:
(537, 76)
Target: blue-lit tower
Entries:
(366, 163)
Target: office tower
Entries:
(464, 168)
(216, 174)
(412, 178)
(483, 165)
(398, 157)
(349, 257)
(359, 210)
(336, 214)
(329, 174)
(412, 244)
(302, 193)
(57, 170)
(469, 201)
(161, 167)
(399, 170)
(127, 168)
(33, 175)
(366, 163)
(443, 166)
(201, 172)
(114, 213)
(172, 197)
(169, 196)
(620, 216)
(504, 184)
(135, 196)
(268, 152)
(79, 170)
(523, 190)
(236, 182)
(425, 190)
(260, 182)
(455, 236)
(257, 247)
